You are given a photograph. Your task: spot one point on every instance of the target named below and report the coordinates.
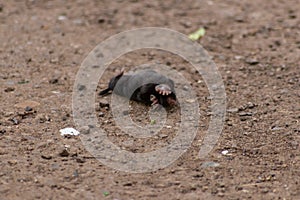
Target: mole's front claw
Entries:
(153, 99)
(163, 89)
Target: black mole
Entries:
(146, 86)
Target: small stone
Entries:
(250, 105)
(9, 89)
(225, 152)
(276, 128)
(64, 153)
(185, 88)
(12, 162)
(80, 160)
(265, 190)
(53, 81)
(101, 20)
(240, 18)
(68, 132)
(103, 104)
(101, 114)
(54, 60)
(221, 194)
(163, 135)
(190, 100)
(128, 184)
(62, 18)
(41, 118)
(55, 92)
(15, 121)
(238, 57)
(245, 114)
(243, 118)
(28, 109)
(75, 173)
(252, 61)
(46, 156)
(64, 118)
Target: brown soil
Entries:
(256, 45)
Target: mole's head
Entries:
(168, 100)
(166, 95)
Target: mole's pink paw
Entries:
(163, 89)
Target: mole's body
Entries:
(146, 86)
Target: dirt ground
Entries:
(256, 46)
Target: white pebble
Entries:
(225, 152)
(68, 131)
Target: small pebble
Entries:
(62, 18)
(240, 18)
(251, 61)
(245, 114)
(185, 88)
(12, 162)
(103, 103)
(80, 160)
(28, 109)
(190, 100)
(75, 173)
(101, 114)
(101, 20)
(64, 153)
(225, 152)
(250, 105)
(46, 156)
(68, 131)
(9, 89)
(276, 128)
(163, 135)
(53, 81)
(15, 121)
(54, 60)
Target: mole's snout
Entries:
(172, 102)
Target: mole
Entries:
(145, 86)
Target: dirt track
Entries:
(256, 45)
